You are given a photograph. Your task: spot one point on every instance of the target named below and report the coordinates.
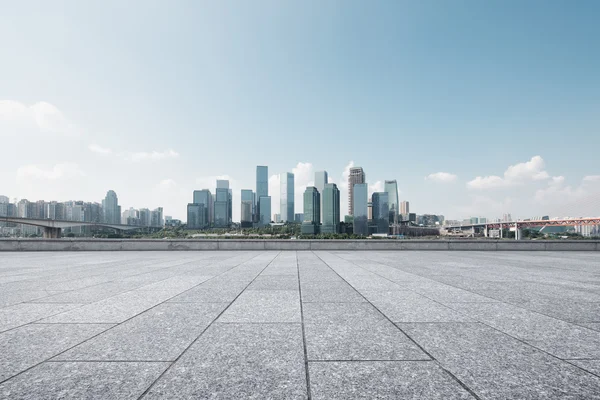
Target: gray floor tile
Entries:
(557, 337)
(160, 334)
(406, 306)
(495, 365)
(239, 361)
(275, 282)
(115, 309)
(592, 366)
(25, 313)
(346, 331)
(80, 380)
(382, 380)
(24, 347)
(264, 306)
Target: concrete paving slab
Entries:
(239, 361)
(383, 380)
(495, 365)
(25, 313)
(82, 380)
(160, 334)
(24, 347)
(560, 338)
(346, 331)
(407, 306)
(275, 282)
(115, 309)
(264, 306)
(591, 366)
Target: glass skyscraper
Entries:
(312, 211)
(381, 211)
(357, 175)
(391, 188)
(360, 208)
(265, 210)
(331, 209)
(262, 188)
(111, 208)
(247, 211)
(199, 211)
(287, 197)
(321, 179)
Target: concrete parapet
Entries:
(68, 244)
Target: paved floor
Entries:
(297, 325)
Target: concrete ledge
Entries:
(67, 244)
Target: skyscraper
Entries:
(357, 175)
(247, 211)
(381, 211)
(265, 211)
(287, 197)
(321, 179)
(199, 211)
(331, 209)
(312, 211)
(404, 208)
(359, 208)
(391, 188)
(111, 208)
(222, 205)
(262, 189)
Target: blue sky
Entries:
(153, 99)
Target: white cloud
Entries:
(592, 178)
(52, 173)
(99, 149)
(532, 170)
(376, 187)
(45, 116)
(444, 177)
(566, 200)
(167, 184)
(151, 156)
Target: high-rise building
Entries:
(111, 209)
(224, 184)
(287, 197)
(262, 189)
(247, 210)
(222, 205)
(360, 196)
(156, 217)
(381, 211)
(321, 179)
(331, 209)
(299, 217)
(391, 188)
(312, 211)
(199, 212)
(265, 210)
(356, 176)
(404, 208)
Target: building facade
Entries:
(391, 188)
(287, 197)
(312, 211)
(247, 210)
(356, 176)
(381, 211)
(111, 209)
(360, 196)
(265, 211)
(331, 209)
(321, 179)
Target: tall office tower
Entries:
(265, 210)
(201, 209)
(111, 208)
(224, 184)
(262, 188)
(331, 209)
(247, 215)
(381, 211)
(360, 208)
(222, 205)
(156, 217)
(391, 188)
(357, 175)
(144, 217)
(321, 179)
(312, 211)
(287, 197)
(404, 208)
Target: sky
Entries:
(476, 108)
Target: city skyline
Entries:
(476, 118)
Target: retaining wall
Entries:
(67, 244)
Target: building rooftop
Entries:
(298, 325)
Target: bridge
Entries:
(527, 224)
(53, 227)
